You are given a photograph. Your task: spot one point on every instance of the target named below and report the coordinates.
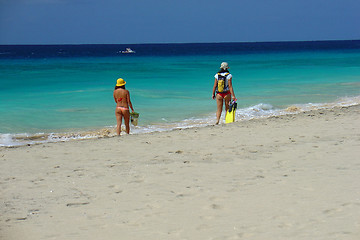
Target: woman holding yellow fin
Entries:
(223, 90)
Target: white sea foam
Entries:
(262, 110)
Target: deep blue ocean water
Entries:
(60, 92)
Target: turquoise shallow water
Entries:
(49, 97)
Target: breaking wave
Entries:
(261, 110)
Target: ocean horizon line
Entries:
(170, 49)
(183, 43)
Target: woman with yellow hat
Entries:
(122, 99)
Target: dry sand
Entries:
(289, 177)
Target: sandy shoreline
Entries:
(287, 177)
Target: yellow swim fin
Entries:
(230, 114)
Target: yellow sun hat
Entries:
(120, 82)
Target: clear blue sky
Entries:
(174, 21)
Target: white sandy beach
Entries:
(288, 177)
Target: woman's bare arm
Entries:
(129, 101)
(214, 88)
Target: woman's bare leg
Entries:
(227, 101)
(118, 115)
(219, 103)
(127, 120)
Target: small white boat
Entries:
(128, 50)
